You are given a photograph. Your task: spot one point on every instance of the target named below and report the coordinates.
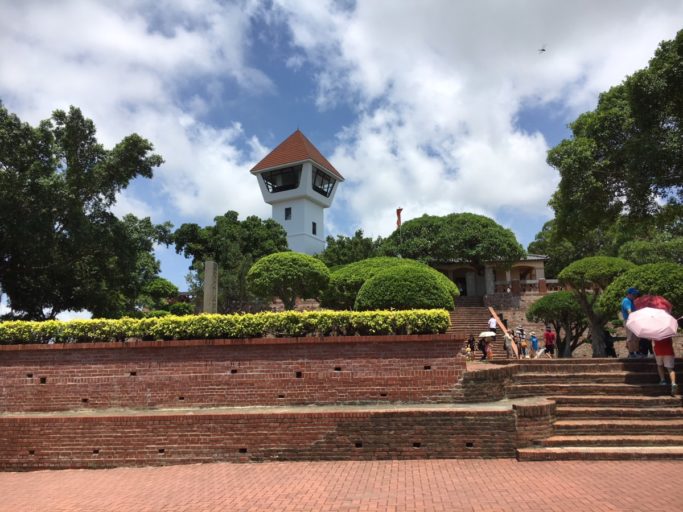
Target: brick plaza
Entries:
(411, 485)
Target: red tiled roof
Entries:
(295, 148)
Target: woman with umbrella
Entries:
(654, 321)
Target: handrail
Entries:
(505, 331)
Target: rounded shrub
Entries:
(181, 308)
(664, 279)
(346, 282)
(404, 287)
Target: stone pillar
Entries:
(508, 279)
(489, 279)
(540, 275)
(210, 287)
(471, 282)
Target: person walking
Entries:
(534, 343)
(492, 325)
(664, 355)
(549, 338)
(627, 307)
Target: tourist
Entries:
(482, 347)
(627, 307)
(664, 355)
(609, 343)
(470, 343)
(549, 338)
(534, 343)
(507, 345)
(492, 325)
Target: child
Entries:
(534, 343)
(664, 355)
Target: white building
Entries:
(299, 183)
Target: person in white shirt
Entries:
(492, 325)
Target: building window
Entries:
(288, 213)
(282, 179)
(322, 183)
(315, 228)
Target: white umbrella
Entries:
(487, 334)
(651, 323)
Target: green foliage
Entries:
(463, 237)
(60, 246)
(345, 282)
(588, 278)
(288, 324)
(659, 250)
(594, 274)
(664, 279)
(181, 309)
(158, 293)
(343, 249)
(563, 311)
(624, 162)
(234, 245)
(288, 275)
(404, 287)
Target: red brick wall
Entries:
(41, 442)
(206, 373)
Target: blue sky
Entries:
(435, 106)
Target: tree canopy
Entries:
(61, 248)
(588, 278)
(344, 249)
(563, 311)
(234, 245)
(622, 170)
(288, 275)
(464, 237)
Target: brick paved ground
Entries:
(440, 485)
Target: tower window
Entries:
(315, 228)
(282, 179)
(322, 183)
(288, 213)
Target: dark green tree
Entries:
(562, 311)
(588, 278)
(288, 275)
(464, 237)
(61, 247)
(344, 250)
(657, 250)
(234, 245)
(624, 162)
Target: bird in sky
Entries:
(541, 49)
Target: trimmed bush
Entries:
(664, 279)
(404, 287)
(287, 324)
(346, 282)
(288, 275)
(181, 308)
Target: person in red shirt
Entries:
(549, 337)
(664, 354)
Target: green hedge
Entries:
(404, 287)
(346, 282)
(288, 324)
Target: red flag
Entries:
(398, 217)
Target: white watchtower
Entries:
(299, 183)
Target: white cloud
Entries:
(438, 86)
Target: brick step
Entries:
(614, 377)
(589, 389)
(618, 426)
(601, 453)
(619, 401)
(615, 440)
(548, 366)
(618, 412)
(596, 362)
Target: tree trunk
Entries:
(598, 338)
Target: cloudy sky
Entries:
(437, 106)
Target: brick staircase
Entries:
(471, 317)
(605, 410)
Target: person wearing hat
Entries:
(627, 307)
(534, 343)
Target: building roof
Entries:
(294, 149)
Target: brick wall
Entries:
(49, 442)
(209, 373)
